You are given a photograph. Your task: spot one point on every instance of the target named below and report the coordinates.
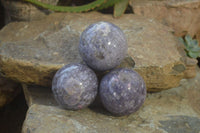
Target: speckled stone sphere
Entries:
(103, 46)
(122, 91)
(75, 86)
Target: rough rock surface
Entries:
(32, 52)
(17, 10)
(8, 90)
(182, 15)
(174, 110)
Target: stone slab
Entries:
(182, 15)
(17, 10)
(31, 52)
(169, 111)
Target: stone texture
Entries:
(8, 90)
(191, 66)
(174, 110)
(17, 10)
(32, 52)
(187, 124)
(182, 15)
(38, 95)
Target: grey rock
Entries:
(33, 52)
(177, 108)
(17, 10)
(182, 15)
(181, 124)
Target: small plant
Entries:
(191, 46)
(119, 6)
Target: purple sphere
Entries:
(122, 91)
(103, 46)
(75, 86)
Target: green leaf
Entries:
(107, 4)
(81, 8)
(195, 49)
(195, 43)
(120, 7)
(193, 54)
(188, 40)
(182, 41)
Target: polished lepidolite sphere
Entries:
(122, 91)
(75, 86)
(103, 46)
